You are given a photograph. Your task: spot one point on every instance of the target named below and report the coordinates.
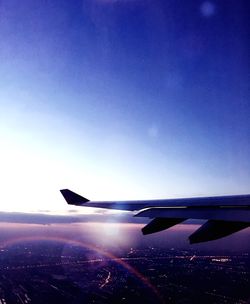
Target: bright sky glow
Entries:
(122, 100)
(207, 9)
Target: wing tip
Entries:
(73, 198)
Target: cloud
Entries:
(109, 231)
(46, 219)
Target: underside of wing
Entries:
(211, 230)
(221, 222)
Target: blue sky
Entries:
(123, 100)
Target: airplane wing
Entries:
(224, 214)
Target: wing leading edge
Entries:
(224, 214)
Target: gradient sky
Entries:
(123, 100)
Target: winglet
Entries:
(73, 198)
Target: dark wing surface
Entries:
(224, 214)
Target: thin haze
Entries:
(123, 100)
